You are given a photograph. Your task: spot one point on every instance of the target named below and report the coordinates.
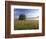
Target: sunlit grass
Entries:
(26, 24)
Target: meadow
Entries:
(26, 24)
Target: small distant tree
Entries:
(22, 17)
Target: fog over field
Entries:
(28, 18)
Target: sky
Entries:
(27, 12)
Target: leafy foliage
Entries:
(22, 17)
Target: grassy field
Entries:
(25, 24)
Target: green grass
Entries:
(26, 24)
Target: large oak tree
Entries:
(22, 17)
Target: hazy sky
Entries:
(27, 12)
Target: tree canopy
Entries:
(22, 17)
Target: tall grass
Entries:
(26, 24)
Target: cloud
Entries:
(28, 12)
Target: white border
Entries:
(25, 31)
